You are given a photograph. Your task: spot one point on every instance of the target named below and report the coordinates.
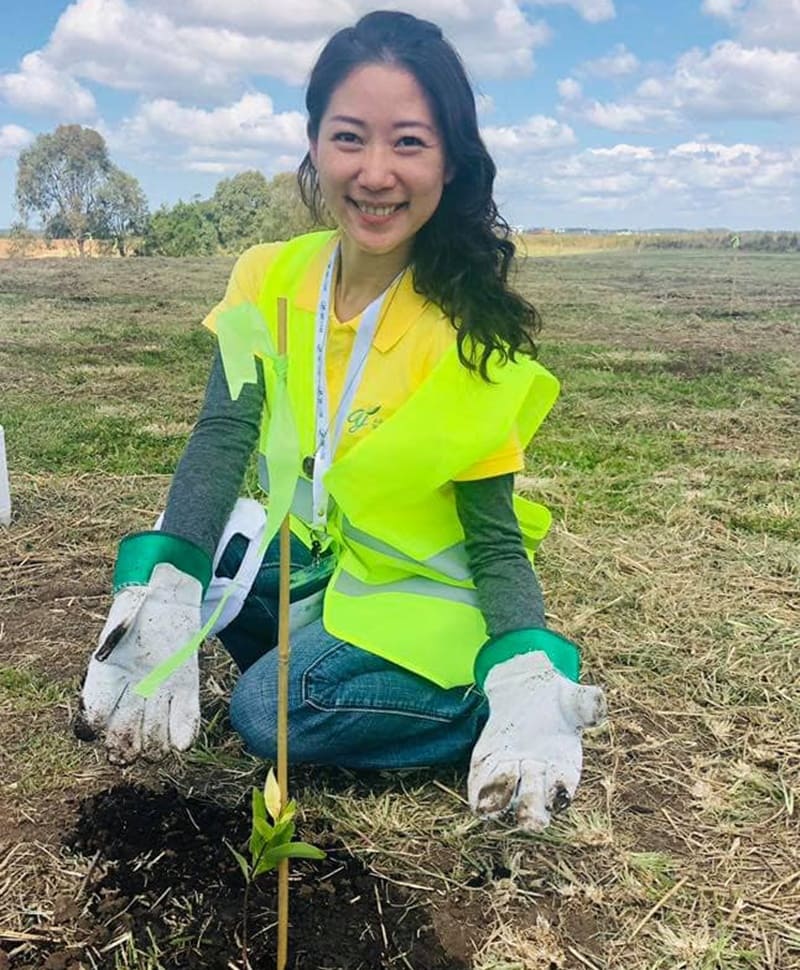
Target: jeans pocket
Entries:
(347, 678)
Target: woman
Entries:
(414, 387)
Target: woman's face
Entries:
(380, 158)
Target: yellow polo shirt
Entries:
(408, 344)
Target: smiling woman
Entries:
(419, 628)
(381, 166)
(389, 102)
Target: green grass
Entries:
(28, 692)
(71, 437)
(670, 463)
(44, 752)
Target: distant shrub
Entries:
(751, 241)
(22, 241)
(186, 229)
(244, 210)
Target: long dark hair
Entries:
(462, 255)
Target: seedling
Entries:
(271, 833)
(271, 844)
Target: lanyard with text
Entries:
(327, 437)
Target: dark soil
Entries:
(164, 873)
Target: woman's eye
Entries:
(348, 137)
(410, 141)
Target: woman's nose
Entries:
(377, 170)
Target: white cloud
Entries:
(250, 122)
(694, 183)
(731, 169)
(40, 87)
(281, 19)
(729, 81)
(771, 23)
(569, 89)
(725, 9)
(537, 135)
(736, 81)
(624, 152)
(774, 23)
(227, 159)
(624, 116)
(484, 104)
(13, 139)
(244, 134)
(619, 62)
(203, 48)
(494, 37)
(592, 10)
(122, 45)
(212, 168)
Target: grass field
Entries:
(671, 464)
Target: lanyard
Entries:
(327, 437)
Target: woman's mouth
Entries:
(375, 212)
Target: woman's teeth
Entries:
(377, 210)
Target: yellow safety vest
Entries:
(402, 587)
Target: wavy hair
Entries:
(462, 256)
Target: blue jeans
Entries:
(347, 707)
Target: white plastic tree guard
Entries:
(5, 491)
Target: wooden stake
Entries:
(283, 692)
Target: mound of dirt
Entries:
(165, 875)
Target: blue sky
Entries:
(601, 113)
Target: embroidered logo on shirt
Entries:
(363, 417)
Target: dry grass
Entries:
(533, 244)
(33, 248)
(568, 244)
(671, 466)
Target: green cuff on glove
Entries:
(141, 552)
(563, 654)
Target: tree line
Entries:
(753, 240)
(67, 181)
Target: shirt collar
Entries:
(403, 307)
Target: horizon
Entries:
(578, 230)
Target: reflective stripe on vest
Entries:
(451, 562)
(413, 586)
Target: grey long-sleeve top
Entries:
(210, 472)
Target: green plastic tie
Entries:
(243, 336)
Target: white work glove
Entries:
(527, 761)
(145, 626)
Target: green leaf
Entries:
(291, 850)
(303, 850)
(257, 845)
(264, 865)
(283, 832)
(259, 815)
(264, 829)
(272, 795)
(259, 807)
(243, 863)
